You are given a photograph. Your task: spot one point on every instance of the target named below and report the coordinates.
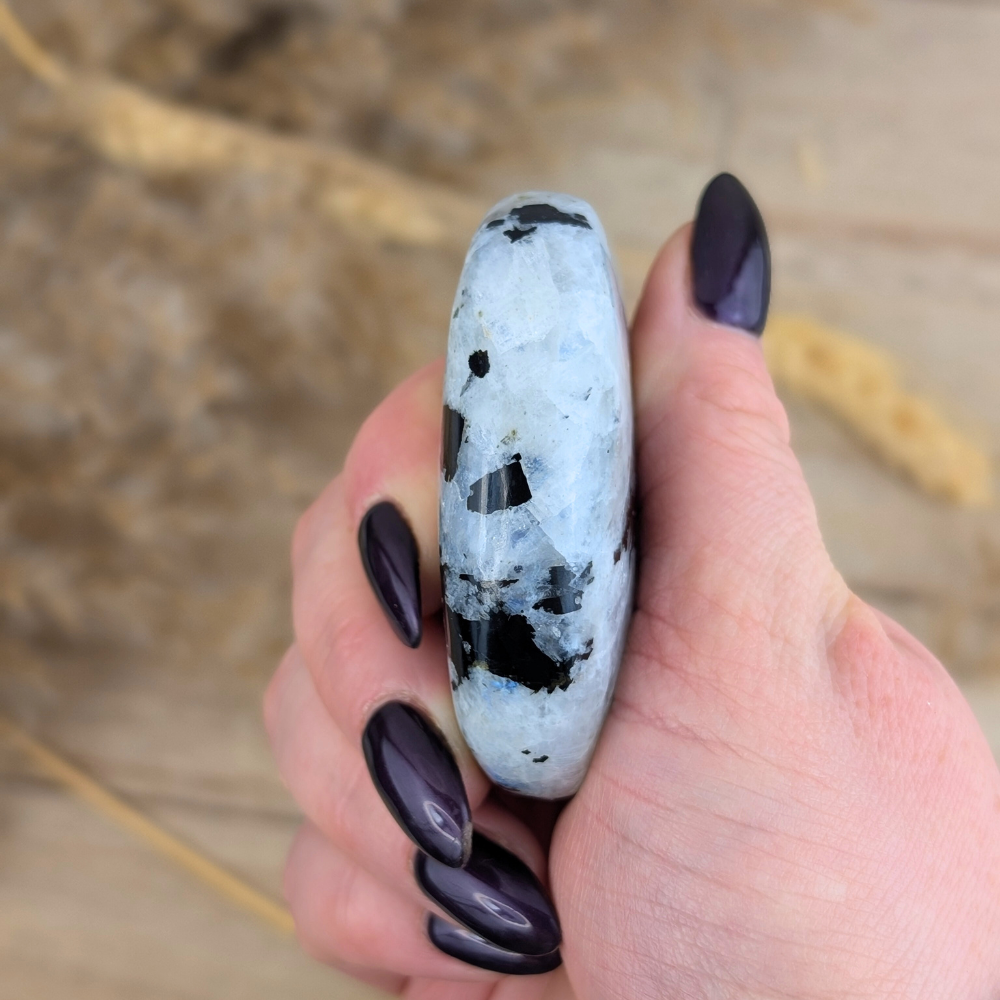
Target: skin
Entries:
(790, 798)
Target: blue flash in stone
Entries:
(537, 561)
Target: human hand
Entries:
(790, 797)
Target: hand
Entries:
(790, 797)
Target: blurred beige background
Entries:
(185, 355)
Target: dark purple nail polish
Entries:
(496, 895)
(419, 781)
(469, 947)
(730, 256)
(389, 555)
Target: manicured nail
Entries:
(390, 557)
(730, 256)
(496, 895)
(468, 946)
(419, 781)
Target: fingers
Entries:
(494, 895)
(367, 675)
(345, 636)
(346, 917)
(363, 555)
(328, 777)
(333, 782)
(729, 530)
(394, 456)
(466, 945)
(330, 780)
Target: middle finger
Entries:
(329, 779)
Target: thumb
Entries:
(729, 530)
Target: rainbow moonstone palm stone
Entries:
(537, 558)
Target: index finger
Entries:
(356, 660)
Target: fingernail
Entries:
(496, 895)
(469, 947)
(419, 781)
(392, 563)
(730, 256)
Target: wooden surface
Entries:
(870, 134)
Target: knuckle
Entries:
(316, 937)
(294, 863)
(273, 696)
(885, 691)
(343, 639)
(303, 533)
(338, 808)
(321, 891)
(333, 646)
(349, 925)
(270, 708)
(335, 927)
(861, 654)
(327, 632)
(313, 521)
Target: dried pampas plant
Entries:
(855, 382)
(133, 129)
(860, 384)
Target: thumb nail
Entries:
(730, 256)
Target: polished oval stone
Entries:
(537, 559)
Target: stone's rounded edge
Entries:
(533, 743)
(560, 199)
(493, 719)
(567, 203)
(561, 787)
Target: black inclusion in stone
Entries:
(494, 224)
(487, 585)
(505, 645)
(479, 363)
(628, 535)
(628, 531)
(533, 215)
(453, 637)
(516, 234)
(504, 487)
(631, 515)
(565, 590)
(454, 429)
